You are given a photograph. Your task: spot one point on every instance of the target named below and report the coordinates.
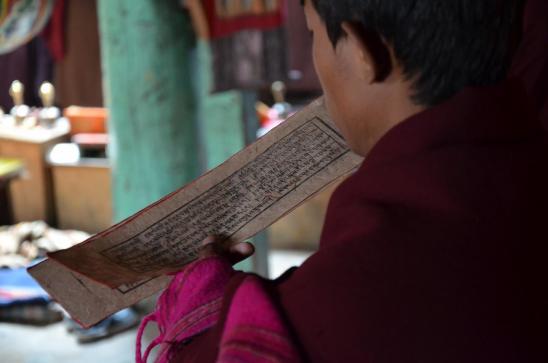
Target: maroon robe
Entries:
(429, 252)
(435, 250)
(531, 61)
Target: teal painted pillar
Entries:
(146, 46)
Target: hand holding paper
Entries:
(214, 246)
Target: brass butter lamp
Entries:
(49, 113)
(20, 111)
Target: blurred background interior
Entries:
(107, 106)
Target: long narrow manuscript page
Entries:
(246, 194)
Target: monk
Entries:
(435, 249)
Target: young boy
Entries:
(434, 250)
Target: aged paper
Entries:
(246, 194)
(89, 302)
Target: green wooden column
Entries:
(153, 109)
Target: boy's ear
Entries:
(374, 55)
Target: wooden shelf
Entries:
(31, 195)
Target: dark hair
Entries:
(442, 45)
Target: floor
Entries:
(53, 344)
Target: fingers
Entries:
(211, 246)
(240, 252)
(208, 240)
(243, 248)
(217, 247)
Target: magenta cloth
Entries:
(254, 329)
(190, 305)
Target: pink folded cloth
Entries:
(254, 329)
(190, 305)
